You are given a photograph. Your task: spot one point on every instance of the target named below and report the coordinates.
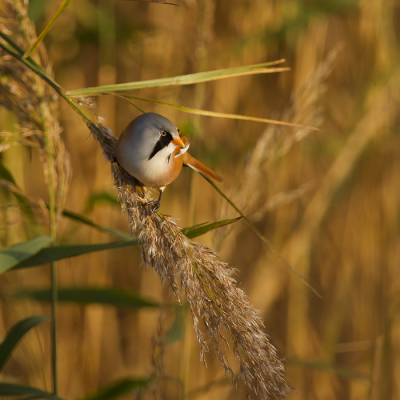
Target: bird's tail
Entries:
(191, 162)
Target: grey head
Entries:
(155, 131)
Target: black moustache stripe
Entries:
(164, 141)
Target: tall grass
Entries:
(327, 200)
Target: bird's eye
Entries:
(163, 133)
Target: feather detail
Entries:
(191, 162)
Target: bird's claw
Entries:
(153, 205)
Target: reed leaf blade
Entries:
(13, 389)
(189, 79)
(39, 39)
(57, 253)
(18, 253)
(111, 296)
(197, 230)
(15, 334)
(120, 388)
(86, 221)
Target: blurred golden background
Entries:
(327, 200)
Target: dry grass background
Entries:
(329, 201)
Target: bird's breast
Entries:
(160, 170)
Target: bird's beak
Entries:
(183, 147)
(183, 150)
(178, 142)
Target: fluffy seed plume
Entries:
(194, 270)
(33, 101)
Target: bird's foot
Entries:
(153, 205)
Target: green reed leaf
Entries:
(86, 221)
(202, 229)
(113, 296)
(56, 253)
(15, 334)
(17, 53)
(120, 388)
(13, 389)
(18, 253)
(61, 8)
(189, 79)
(190, 232)
(20, 257)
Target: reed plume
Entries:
(33, 101)
(195, 271)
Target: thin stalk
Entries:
(17, 52)
(53, 228)
(208, 113)
(261, 236)
(39, 39)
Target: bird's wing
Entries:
(191, 162)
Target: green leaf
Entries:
(17, 253)
(39, 39)
(201, 229)
(120, 388)
(112, 296)
(56, 253)
(12, 389)
(17, 52)
(80, 218)
(32, 253)
(183, 79)
(15, 334)
(190, 232)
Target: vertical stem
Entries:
(53, 227)
(52, 213)
(54, 299)
(51, 181)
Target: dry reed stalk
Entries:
(34, 103)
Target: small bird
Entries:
(153, 151)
